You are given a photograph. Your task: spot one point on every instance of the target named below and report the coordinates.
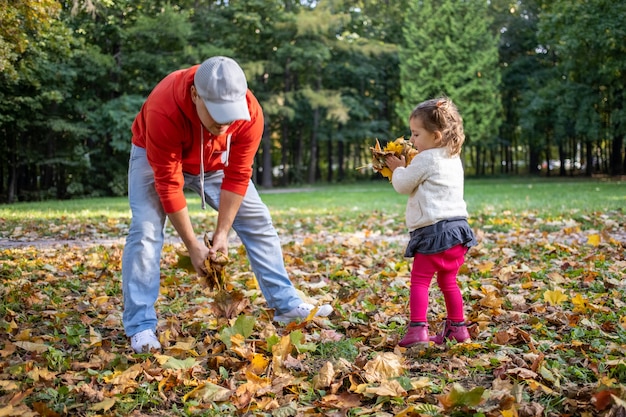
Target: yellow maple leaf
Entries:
(421, 382)
(37, 374)
(555, 297)
(386, 172)
(124, 377)
(535, 385)
(607, 381)
(509, 413)
(486, 266)
(280, 352)
(396, 147)
(258, 364)
(594, 240)
(491, 299)
(580, 303)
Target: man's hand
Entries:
(219, 243)
(197, 250)
(198, 254)
(215, 275)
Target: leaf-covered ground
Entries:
(546, 296)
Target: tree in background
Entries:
(41, 100)
(516, 22)
(365, 69)
(449, 49)
(586, 43)
(19, 21)
(329, 75)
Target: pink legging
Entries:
(446, 264)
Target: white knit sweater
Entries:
(434, 182)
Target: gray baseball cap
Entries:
(222, 85)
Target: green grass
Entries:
(484, 197)
(545, 196)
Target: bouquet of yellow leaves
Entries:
(399, 147)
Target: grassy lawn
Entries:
(544, 293)
(547, 197)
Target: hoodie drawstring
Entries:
(225, 157)
(202, 168)
(225, 160)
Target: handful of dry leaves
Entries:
(399, 147)
(215, 277)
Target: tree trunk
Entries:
(329, 152)
(616, 166)
(266, 176)
(284, 156)
(340, 161)
(562, 158)
(298, 164)
(589, 159)
(313, 165)
(313, 146)
(548, 153)
(533, 160)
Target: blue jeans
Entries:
(142, 251)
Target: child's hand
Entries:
(394, 162)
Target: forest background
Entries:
(540, 84)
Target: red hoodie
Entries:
(169, 128)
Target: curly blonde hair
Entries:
(441, 114)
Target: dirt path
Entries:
(67, 243)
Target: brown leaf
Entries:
(384, 366)
(44, 410)
(342, 401)
(229, 304)
(604, 399)
(325, 376)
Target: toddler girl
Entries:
(436, 216)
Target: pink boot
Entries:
(452, 331)
(417, 333)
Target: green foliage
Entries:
(332, 77)
(345, 349)
(148, 55)
(243, 326)
(19, 20)
(459, 61)
(297, 339)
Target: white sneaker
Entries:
(302, 312)
(145, 341)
